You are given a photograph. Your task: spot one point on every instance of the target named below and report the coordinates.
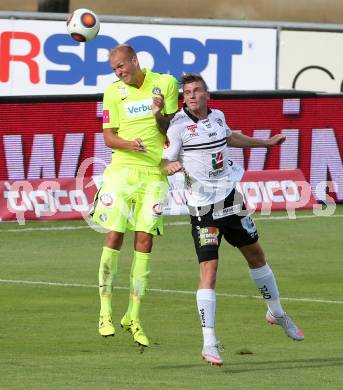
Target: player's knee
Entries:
(144, 247)
(208, 273)
(114, 240)
(207, 281)
(255, 256)
(143, 242)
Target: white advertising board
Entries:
(311, 60)
(39, 57)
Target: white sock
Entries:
(266, 283)
(206, 302)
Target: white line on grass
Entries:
(52, 228)
(160, 290)
(175, 223)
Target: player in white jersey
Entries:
(198, 139)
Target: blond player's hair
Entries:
(123, 47)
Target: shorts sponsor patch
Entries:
(235, 209)
(107, 199)
(157, 209)
(208, 236)
(103, 217)
(249, 225)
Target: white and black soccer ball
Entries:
(83, 25)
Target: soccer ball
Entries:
(83, 25)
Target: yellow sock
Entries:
(107, 277)
(140, 271)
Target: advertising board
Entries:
(39, 58)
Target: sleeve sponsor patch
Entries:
(106, 116)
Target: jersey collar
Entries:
(147, 75)
(191, 116)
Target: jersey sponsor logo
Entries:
(191, 128)
(217, 164)
(139, 108)
(123, 92)
(215, 173)
(106, 116)
(218, 160)
(207, 123)
(212, 134)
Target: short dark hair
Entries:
(188, 78)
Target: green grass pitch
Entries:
(48, 332)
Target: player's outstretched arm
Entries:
(171, 167)
(238, 140)
(113, 141)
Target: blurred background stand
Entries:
(53, 6)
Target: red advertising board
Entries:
(60, 199)
(44, 199)
(272, 189)
(48, 140)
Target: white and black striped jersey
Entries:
(201, 146)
